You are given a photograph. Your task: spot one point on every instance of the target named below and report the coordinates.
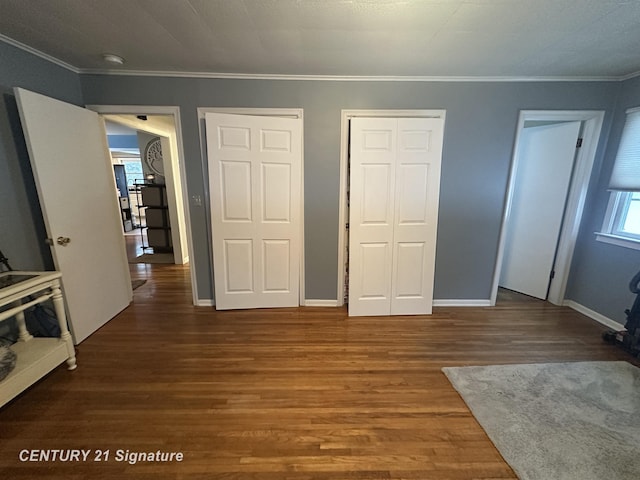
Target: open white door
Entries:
(394, 196)
(545, 159)
(255, 184)
(76, 187)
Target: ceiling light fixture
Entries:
(112, 59)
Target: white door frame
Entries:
(170, 159)
(175, 113)
(346, 116)
(591, 127)
(258, 112)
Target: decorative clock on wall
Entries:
(153, 157)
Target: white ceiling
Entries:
(118, 129)
(398, 38)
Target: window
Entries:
(133, 168)
(622, 222)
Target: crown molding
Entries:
(630, 76)
(346, 78)
(38, 53)
(330, 78)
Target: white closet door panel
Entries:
(417, 193)
(376, 200)
(255, 182)
(410, 269)
(279, 187)
(276, 256)
(413, 183)
(234, 138)
(236, 194)
(276, 192)
(373, 281)
(274, 142)
(373, 151)
(238, 265)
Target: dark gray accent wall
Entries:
(479, 135)
(601, 272)
(22, 230)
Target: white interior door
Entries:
(76, 187)
(545, 159)
(394, 194)
(255, 166)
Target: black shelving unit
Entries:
(153, 198)
(123, 199)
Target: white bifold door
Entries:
(394, 194)
(255, 169)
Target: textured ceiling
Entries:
(512, 38)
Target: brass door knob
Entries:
(63, 241)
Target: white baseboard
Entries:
(456, 302)
(205, 302)
(334, 303)
(598, 317)
(320, 303)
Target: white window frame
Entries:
(616, 215)
(611, 231)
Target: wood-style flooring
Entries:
(298, 394)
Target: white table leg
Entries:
(24, 335)
(58, 305)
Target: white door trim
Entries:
(259, 112)
(592, 125)
(175, 112)
(343, 215)
(170, 160)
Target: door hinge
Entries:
(579, 143)
(553, 274)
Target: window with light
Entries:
(621, 225)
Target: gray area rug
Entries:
(154, 258)
(558, 421)
(137, 283)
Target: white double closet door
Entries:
(255, 175)
(394, 194)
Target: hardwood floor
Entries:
(302, 393)
(133, 243)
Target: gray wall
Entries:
(601, 272)
(479, 135)
(22, 230)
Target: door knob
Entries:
(63, 241)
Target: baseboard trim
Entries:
(457, 302)
(205, 302)
(334, 303)
(320, 303)
(598, 317)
